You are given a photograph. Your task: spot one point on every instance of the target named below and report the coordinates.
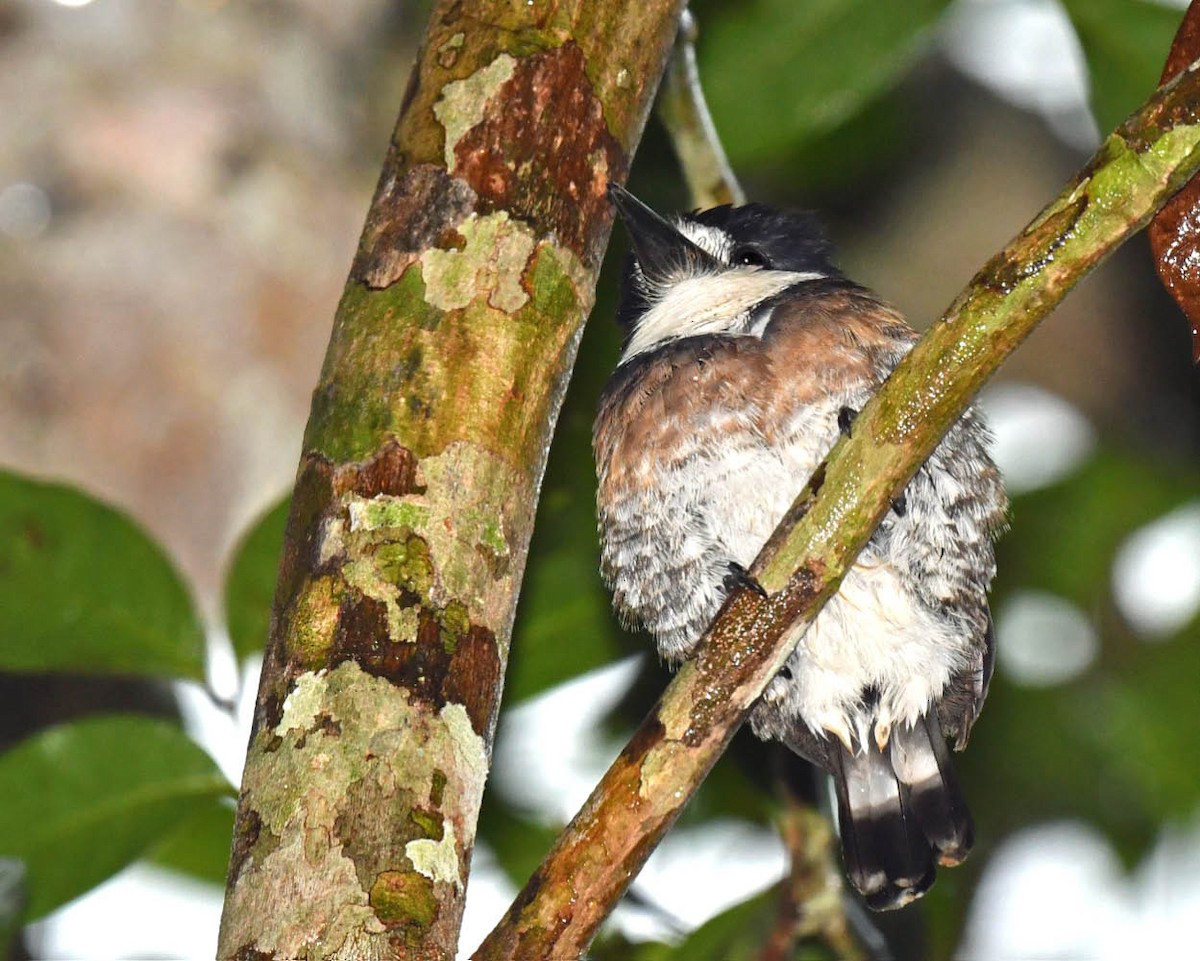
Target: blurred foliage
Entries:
(82, 588)
(518, 841)
(737, 934)
(1084, 520)
(779, 74)
(250, 581)
(199, 845)
(1125, 43)
(80, 801)
(806, 94)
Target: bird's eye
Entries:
(748, 257)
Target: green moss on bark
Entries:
(400, 900)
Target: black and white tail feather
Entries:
(901, 813)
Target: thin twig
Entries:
(684, 112)
(812, 897)
(1137, 168)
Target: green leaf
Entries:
(778, 73)
(80, 801)
(250, 583)
(565, 624)
(199, 847)
(1126, 44)
(736, 934)
(84, 589)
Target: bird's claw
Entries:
(738, 576)
(845, 419)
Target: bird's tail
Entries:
(900, 813)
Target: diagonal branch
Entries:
(1135, 171)
(810, 901)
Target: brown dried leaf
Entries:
(1175, 230)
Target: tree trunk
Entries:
(418, 481)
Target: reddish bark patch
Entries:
(437, 668)
(392, 470)
(474, 677)
(1175, 230)
(410, 214)
(362, 636)
(245, 836)
(546, 122)
(645, 738)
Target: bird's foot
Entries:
(738, 576)
(845, 419)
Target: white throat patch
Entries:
(720, 303)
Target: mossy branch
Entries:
(809, 905)
(1134, 172)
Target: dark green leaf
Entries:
(519, 843)
(84, 589)
(778, 73)
(564, 622)
(737, 934)
(80, 801)
(199, 847)
(1065, 537)
(1126, 44)
(250, 583)
(564, 626)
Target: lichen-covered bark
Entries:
(1142, 164)
(417, 485)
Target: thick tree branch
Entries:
(1136, 169)
(418, 481)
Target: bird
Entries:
(746, 355)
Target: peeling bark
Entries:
(417, 486)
